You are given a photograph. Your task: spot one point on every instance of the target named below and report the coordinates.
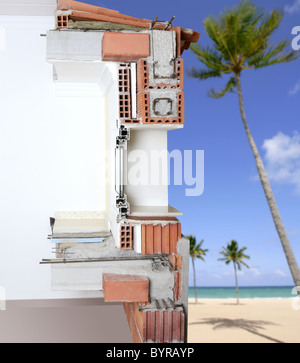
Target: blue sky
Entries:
(233, 205)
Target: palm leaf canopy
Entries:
(241, 40)
(196, 250)
(232, 253)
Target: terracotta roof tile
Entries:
(87, 12)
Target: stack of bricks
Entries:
(163, 239)
(124, 91)
(161, 322)
(143, 94)
(159, 238)
(145, 107)
(125, 96)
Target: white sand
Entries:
(253, 321)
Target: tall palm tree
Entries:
(232, 253)
(241, 41)
(196, 251)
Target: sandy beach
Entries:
(253, 321)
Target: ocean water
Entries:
(262, 292)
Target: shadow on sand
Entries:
(251, 326)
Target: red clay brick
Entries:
(143, 110)
(179, 230)
(142, 75)
(125, 288)
(126, 237)
(62, 21)
(176, 261)
(124, 91)
(166, 239)
(159, 335)
(132, 323)
(130, 121)
(149, 239)
(179, 72)
(177, 286)
(177, 29)
(76, 5)
(173, 238)
(172, 260)
(143, 239)
(157, 326)
(157, 238)
(176, 326)
(180, 107)
(125, 47)
(151, 322)
(168, 326)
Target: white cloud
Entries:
(225, 273)
(280, 273)
(216, 276)
(293, 8)
(255, 272)
(294, 90)
(282, 156)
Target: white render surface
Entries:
(88, 276)
(53, 157)
(78, 69)
(81, 79)
(137, 238)
(147, 166)
(28, 7)
(80, 222)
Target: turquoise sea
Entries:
(244, 292)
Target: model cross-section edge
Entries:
(133, 251)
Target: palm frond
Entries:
(230, 86)
(203, 73)
(196, 250)
(232, 253)
(240, 41)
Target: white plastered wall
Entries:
(52, 157)
(147, 166)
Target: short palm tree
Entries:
(196, 251)
(241, 42)
(232, 253)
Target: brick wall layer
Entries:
(158, 239)
(155, 326)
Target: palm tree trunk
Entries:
(236, 284)
(195, 286)
(291, 259)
